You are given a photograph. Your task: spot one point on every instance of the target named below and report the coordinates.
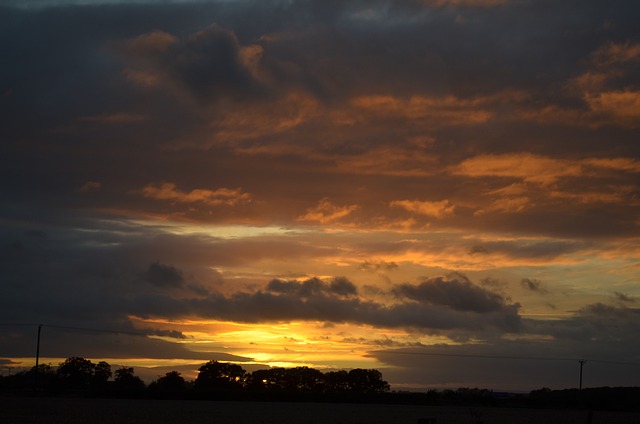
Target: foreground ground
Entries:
(103, 411)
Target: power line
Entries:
(67, 327)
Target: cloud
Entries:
(439, 209)
(338, 286)
(439, 111)
(378, 265)
(221, 196)
(457, 305)
(210, 64)
(623, 107)
(90, 186)
(533, 285)
(506, 205)
(609, 88)
(326, 212)
(525, 166)
(455, 291)
(538, 169)
(624, 298)
(164, 275)
(616, 53)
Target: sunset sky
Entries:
(443, 190)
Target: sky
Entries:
(443, 190)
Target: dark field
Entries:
(97, 411)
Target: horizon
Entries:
(447, 191)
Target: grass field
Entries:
(99, 411)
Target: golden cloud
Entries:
(221, 196)
(525, 166)
(506, 205)
(616, 53)
(447, 110)
(439, 209)
(621, 107)
(325, 212)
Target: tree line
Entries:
(221, 380)
(77, 376)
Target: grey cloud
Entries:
(624, 298)
(343, 287)
(533, 285)
(164, 275)
(315, 300)
(605, 330)
(339, 286)
(374, 266)
(209, 63)
(59, 342)
(455, 291)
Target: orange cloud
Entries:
(221, 196)
(593, 197)
(525, 166)
(616, 53)
(506, 205)
(263, 119)
(325, 212)
(142, 78)
(448, 110)
(439, 209)
(616, 164)
(156, 42)
(395, 160)
(622, 107)
(539, 169)
(606, 89)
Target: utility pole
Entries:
(38, 349)
(582, 362)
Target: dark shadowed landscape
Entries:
(107, 411)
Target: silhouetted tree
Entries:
(42, 378)
(126, 383)
(303, 379)
(101, 374)
(367, 381)
(75, 373)
(216, 375)
(172, 384)
(336, 381)
(272, 379)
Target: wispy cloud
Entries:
(221, 196)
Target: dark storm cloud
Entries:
(210, 64)
(455, 291)
(164, 275)
(57, 342)
(338, 286)
(335, 301)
